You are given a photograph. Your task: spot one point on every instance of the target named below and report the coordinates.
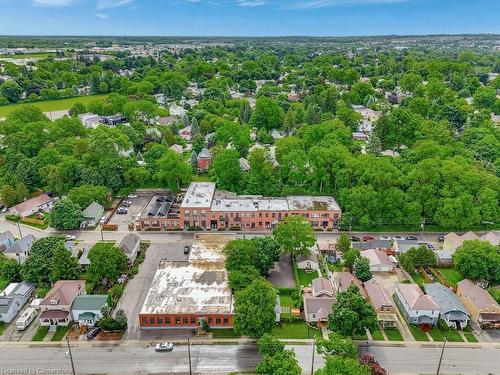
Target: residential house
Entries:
(6, 239)
(453, 241)
(177, 148)
(41, 203)
(13, 298)
(444, 257)
(379, 260)
(451, 310)
(92, 215)
(382, 303)
(186, 133)
(90, 120)
(318, 302)
(343, 280)
(244, 165)
(56, 306)
(165, 121)
(84, 260)
(384, 245)
(130, 245)
(20, 249)
(402, 246)
(308, 262)
(87, 309)
(492, 237)
(359, 136)
(481, 305)
(204, 159)
(416, 307)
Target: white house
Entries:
(308, 262)
(87, 309)
(417, 307)
(13, 298)
(90, 120)
(379, 260)
(130, 245)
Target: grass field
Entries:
(224, 334)
(417, 333)
(296, 330)
(41, 55)
(393, 334)
(40, 333)
(451, 275)
(52, 105)
(377, 335)
(60, 333)
(305, 278)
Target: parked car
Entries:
(5, 209)
(440, 239)
(103, 220)
(398, 238)
(132, 196)
(122, 211)
(92, 334)
(70, 237)
(164, 347)
(411, 238)
(186, 249)
(126, 203)
(384, 238)
(368, 238)
(430, 246)
(354, 239)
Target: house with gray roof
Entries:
(130, 245)
(13, 298)
(451, 310)
(319, 300)
(375, 244)
(416, 307)
(6, 239)
(20, 249)
(87, 309)
(91, 215)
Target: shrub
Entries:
(110, 227)
(442, 325)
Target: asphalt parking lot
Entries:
(137, 206)
(281, 276)
(137, 288)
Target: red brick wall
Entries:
(184, 320)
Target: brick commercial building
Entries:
(186, 293)
(208, 208)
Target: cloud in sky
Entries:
(295, 4)
(101, 15)
(99, 4)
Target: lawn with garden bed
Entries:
(305, 278)
(451, 275)
(469, 335)
(296, 330)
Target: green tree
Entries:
(362, 269)
(374, 146)
(349, 258)
(270, 345)
(254, 308)
(336, 365)
(10, 269)
(267, 252)
(283, 362)
(66, 215)
(173, 171)
(343, 243)
(63, 266)
(242, 277)
(313, 114)
(295, 235)
(106, 263)
(351, 314)
(239, 254)
(37, 267)
(226, 168)
(77, 109)
(84, 195)
(337, 345)
(267, 114)
(478, 260)
(11, 90)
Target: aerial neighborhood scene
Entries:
(300, 187)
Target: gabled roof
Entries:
(444, 298)
(90, 302)
(322, 286)
(311, 258)
(63, 292)
(205, 154)
(32, 203)
(345, 279)
(322, 307)
(377, 295)
(22, 245)
(491, 237)
(128, 243)
(5, 236)
(415, 298)
(377, 257)
(477, 295)
(93, 211)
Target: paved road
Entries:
(135, 359)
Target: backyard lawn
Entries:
(52, 105)
(40, 333)
(393, 334)
(60, 333)
(295, 330)
(418, 278)
(224, 334)
(377, 335)
(417, 333)
(451, 275)
(305, 278)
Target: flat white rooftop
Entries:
(199, 195)
(312, 203)
(249, 204)
(198, 286)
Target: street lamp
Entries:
(70, 356)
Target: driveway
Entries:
(281, 276)
(137, 288)
(137, 206)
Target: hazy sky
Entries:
(248, 17)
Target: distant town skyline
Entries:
(248, 17)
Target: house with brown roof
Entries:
(56, 306)
(318, 302)
(453, 241)
(379, 260)
(343, 280)
(416, 307)
(382, 303)
(481, 305)
(41, 203)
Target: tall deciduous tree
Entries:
(63, 266)
(336, 365)
(106, 263)
(478, 260)
(226, 167)
(295, 235)
(66, 215)
(173, 171)
(362, 269)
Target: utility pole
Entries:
(312, 362)
(189, 357)
(441, 356)
(19, 228)
(422, 225)
(102, 234)
(70, 356)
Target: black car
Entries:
(441, 239)
(122, 211)
(354, 239)
(186, 249)
(93, 333)
(411, 238)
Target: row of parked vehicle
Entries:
(383, 238)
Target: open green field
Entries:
(41, 55)
(52, 105)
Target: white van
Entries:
(26, 318)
